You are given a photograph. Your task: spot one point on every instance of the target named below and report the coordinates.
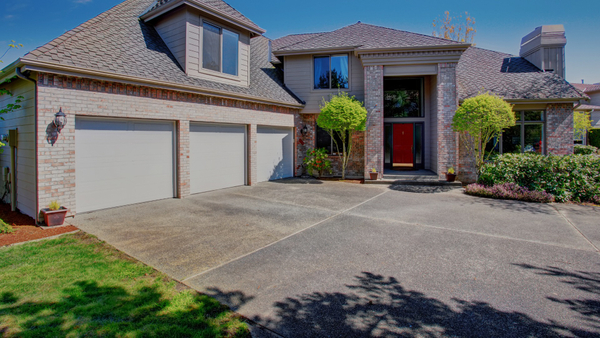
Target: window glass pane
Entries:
(339, 71)
(211, 47)
(533, 138)
(323, 139)
(418, 143)
(322, 72)
(230, 52)
(402, 97)
(511, 140)
(534, 116)
(388, 143)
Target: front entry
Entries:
(403, 145)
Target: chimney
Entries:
(545, 48)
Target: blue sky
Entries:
(500, 24)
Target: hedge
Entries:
(579, 149)
(568, 178)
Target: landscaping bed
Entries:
(24, 227)
(77, 286)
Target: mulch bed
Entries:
(24, 227)
(337, 179)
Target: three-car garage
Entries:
(127, 161)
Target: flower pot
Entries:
(450, 177)
(374, 176)
(54, 217)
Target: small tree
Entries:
(581, 124)
(454, 28)
(341, 117)
(479, 120)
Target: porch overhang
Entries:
(401, 56)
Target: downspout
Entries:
(35, 117)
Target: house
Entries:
(170, 98)
(593, 106)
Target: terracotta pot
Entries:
(54, 217)
(450, 177)
(374, 176)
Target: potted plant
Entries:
(374, 174)
(450, 175)
(54, 214)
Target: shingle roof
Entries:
(588, 107)
(360, 36)
(217, 5)
(587, 88)
(117, 42)
(509, 76)
(293, 39)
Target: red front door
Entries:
(403, 145)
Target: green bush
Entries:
(594, 137)
(5, 228)
(579, 149)
(567, 178)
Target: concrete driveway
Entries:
(305, 258)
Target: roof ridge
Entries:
(297, 42)
(403, 31)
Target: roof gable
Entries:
(360, 36)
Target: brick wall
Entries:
(373, 141)
(447, 103)
(85, 97)
(559, 128)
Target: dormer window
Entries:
(220, 49)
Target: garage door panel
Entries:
(275, 153)
(120, 162)
(217, 156)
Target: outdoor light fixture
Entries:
(60, 120)
(304, 130)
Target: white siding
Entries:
(172, 30)
(23, 119)
(298, 77)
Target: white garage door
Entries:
(275, 153)
(217, 156)
(122, 161)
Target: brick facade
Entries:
(559, 128)
(373, 153)
(447, 103)
(86, 97)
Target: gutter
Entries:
(35, 124)
(48, 67)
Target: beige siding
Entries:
(298, 77)
(432, 135)
(24, 120)
(194, 52)
(172, 30)
(594, 99)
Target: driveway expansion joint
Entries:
(286, 237)
(575, 227)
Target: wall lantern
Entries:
(304, 130)
(60, 120)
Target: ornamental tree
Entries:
(479, 120)
(342, 116)
(581, 124)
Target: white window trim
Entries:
(201, 56)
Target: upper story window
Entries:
(220, 49)
(403, 97)
(331, 71)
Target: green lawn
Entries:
(77, 286)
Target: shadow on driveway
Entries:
(380, 306)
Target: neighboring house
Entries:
(593, 106)
(171, 98)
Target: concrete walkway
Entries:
(304, 258)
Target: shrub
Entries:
(316, 162)
(584, 150)
(594, 137)
(5, 228)
(509, 191)
(567, 178)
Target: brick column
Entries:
(374, 105)
(447, 103)
(304, 142)
(559, 128)
(252, 154)
(183, 159)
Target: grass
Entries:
(77, 286)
